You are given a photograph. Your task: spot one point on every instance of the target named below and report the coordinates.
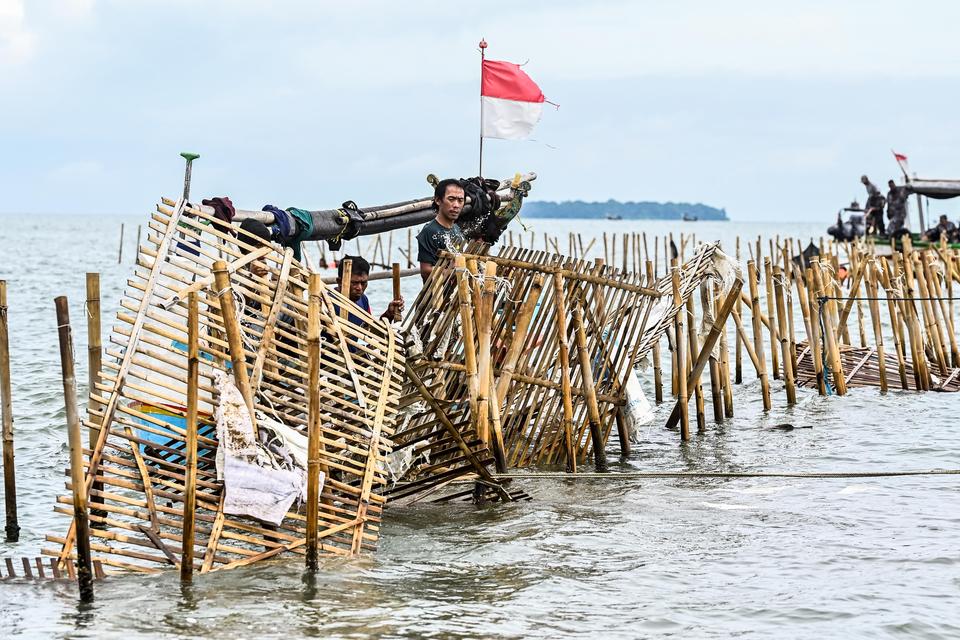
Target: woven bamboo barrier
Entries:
(558, 336)
(252, 322)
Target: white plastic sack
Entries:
(637, 411)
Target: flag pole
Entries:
(483, 52)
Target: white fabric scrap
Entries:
(254, 482)
(637, 411)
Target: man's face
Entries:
(891, 184)
(451, 204)
(358, 284)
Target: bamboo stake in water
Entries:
(716, 387)
(874, 306)
(120, 253)
(84, 569)
(94, 359)
(774, 333)
(561, 310)
(190, 482)
(738, 347)
(657, 371)
(693, 348)
(678, 355)
(12, 523)
(789, 375)
(758, 334)
(466, 322)
(725, 366)
(589, 392)
(313, 420)
(483, 360)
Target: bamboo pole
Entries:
(84, 569)
(679, 412)
(789, 374)
(945, 314)
(589, 391)
(94, 360)
(469, 346)
(564, 347)
(12, 522)
(758, 333)
(826, 314)
(678, 355)
(874, 306)
(120, 252)
(657, 371)
(694, 380)
(232, 326)
(313, 421)
(896, 322)
(518, 338)
(345, 278)
(774, 332)
(484, 329)
(725, 366)
(738, 346)
(716, 387)
(190, 481)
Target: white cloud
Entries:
(75, 9)
(17, 43)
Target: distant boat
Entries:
(611, 216)
(688, 218)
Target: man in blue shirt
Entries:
(359, 277)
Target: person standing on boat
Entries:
(873, 212)
(441, 233)
(897, 208)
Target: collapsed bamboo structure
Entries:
(252, 321)
(531, 364)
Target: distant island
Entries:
(622, 210)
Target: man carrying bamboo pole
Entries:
(441, 233)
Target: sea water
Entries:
(605, 558)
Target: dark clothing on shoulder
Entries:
(434, 238)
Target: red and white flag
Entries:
(902, 161)
(510, 102)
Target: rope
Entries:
(728, 474)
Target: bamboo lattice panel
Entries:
(136, 470)
(622, 318)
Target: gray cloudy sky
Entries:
(770, 109)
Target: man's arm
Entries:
(425, 269)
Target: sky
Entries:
(771, 110)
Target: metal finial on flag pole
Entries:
(483, 54)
